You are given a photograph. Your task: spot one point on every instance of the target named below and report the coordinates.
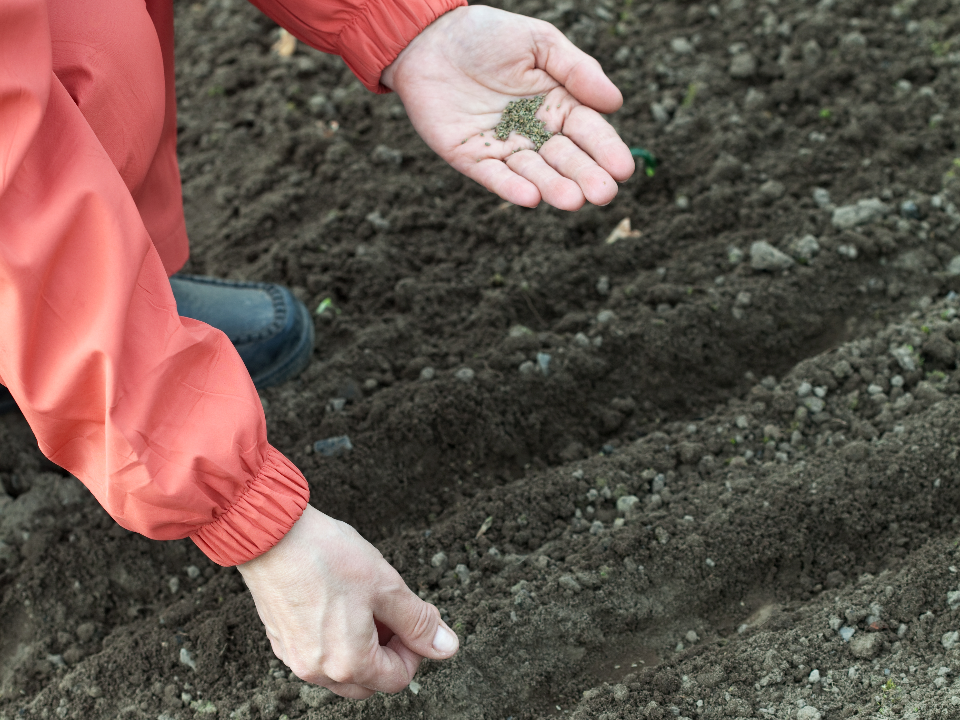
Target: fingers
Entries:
(575, 70)
(591, 132)
(416, 624)
(562, 154)
(557, 190)
(496, 177)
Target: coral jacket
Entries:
(154, 413)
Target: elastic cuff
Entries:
(382, 30)
(268, 508)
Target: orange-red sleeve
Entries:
(367, 34)
(156, 414)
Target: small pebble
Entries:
(527, 367)
(821, 196)
(765, 257)
(439, 560)
(187, 659)
(427, 373)
(543, 362)
(806, 248)
(847, 632)
(743, 66)
(193, 572)
(581, 340)
(333, 446)
(814, 676)
(627, 504)
(464, 374)
(909, 210)
(863, 213)
(681, 46)
(606, 316)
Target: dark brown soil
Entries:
(790, 436)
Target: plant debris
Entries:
(520, 116)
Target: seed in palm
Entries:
(520, 116)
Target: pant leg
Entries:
(115, 59)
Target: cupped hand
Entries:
(456, 78)
(321, 593)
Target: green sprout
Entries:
(650, 162)
(826, 113)
(327, 304)
(691, 95)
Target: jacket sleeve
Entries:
(367, 34)
(156, 414)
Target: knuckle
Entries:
(340, 670)
(427, 619)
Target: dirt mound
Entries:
(707, 470)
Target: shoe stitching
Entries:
(276, 298)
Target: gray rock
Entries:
(463, 574)
(909, 210)
(764, 256)
(627, 504)
(905, 357)
(772, 190)
(743, 66)
(660, 113)
(950, 640)
(439, 560)
(464, 374)
(606, 316)
(808, 712)
(333, 446)
(805, 248)
(682, 46)
(378, 221)
(568, 582)
(821, 196)
(866, 645)
(953, 267)
(427, 373)
(543, 362)
(863, 213)
(527, 367)
(383, 155)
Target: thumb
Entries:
(577, 71)
(417, 625)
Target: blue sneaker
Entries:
(271, 329)
(7, 403)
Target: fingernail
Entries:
(445, 641)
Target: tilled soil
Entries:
(678, 475)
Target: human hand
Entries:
(322, 591)
(457, 76)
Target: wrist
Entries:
(388, 77)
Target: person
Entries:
(141, 382)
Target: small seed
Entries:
(487, 144)
(520, 116)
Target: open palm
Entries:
(456, 78)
